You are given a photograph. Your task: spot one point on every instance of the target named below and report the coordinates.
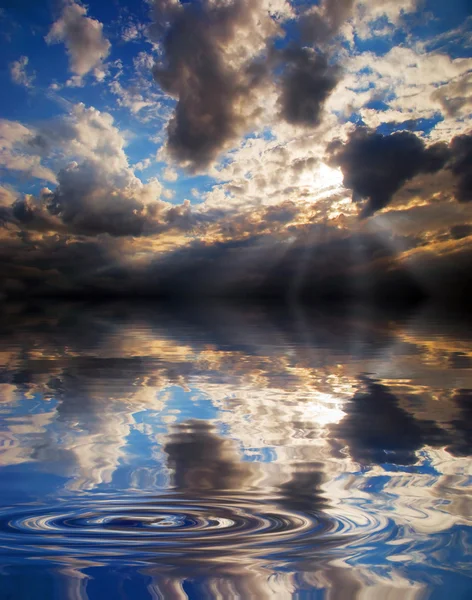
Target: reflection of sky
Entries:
(339, 425)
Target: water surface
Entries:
(222, 452)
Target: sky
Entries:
(236, 147)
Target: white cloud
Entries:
(142, 164)
(168, 194)
(7, 196)
(413, 84)
(83, 37)
(170, 174)
(133, 31)
(143, 61)
(129, 97)
(374, 18)
(19, 74)
(17, 155)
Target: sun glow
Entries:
(323, 181)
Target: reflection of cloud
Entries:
(285, 390)
(19, 439)
(203, 462)
(378, 431)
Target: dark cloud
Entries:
(306, 83)
(378, 430)
(202, 461)
(462, 441)
(217, 79)
(303, 492)
(212, 88)
(318, 263)
(460, 231)
(87, 201)
(264, 256)
(461, 166)
(320, 23)
(376, 166)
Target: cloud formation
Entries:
(376, 166)
(19, 74)
(17, 155)
(222, 64)
(83, 37)
(373, 424)
(271, 217)
(203, 462)
(461, 166)
(212, 66)
(97, 192)
(307, 81)
(318, 24)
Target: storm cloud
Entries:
(221, 63)
(212, 65)
(307, 82)
(461, 166)
(376, 166)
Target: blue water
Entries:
(234, 452)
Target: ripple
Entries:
(165, 525)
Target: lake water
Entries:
(234, 452)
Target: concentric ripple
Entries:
(168, 524)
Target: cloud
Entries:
(213, 65)
(132, 31)
(84, 133)
(307, 81)
(376, 166)
(170, 174)
(320, 23)
(461, 166)
(83, 37)
(89, 201)
(455, 97)
(222, 65)
(461, 231)
(373, 424)
(130, 97)
(16, 154)
(376, 18)
(19, 73)
(274, 252)
(7, 196)
(97, 190)
(411, 84)
(203, 462)
(142, 165)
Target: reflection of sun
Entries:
(325, 409)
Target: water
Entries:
(234, 452)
